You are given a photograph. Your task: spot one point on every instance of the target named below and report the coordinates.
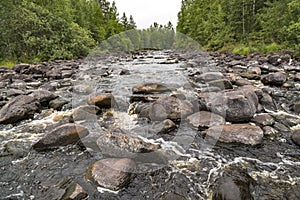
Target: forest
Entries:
(242, 26)
(42, 30)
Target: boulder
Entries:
(277, 79)
(236, 106)
(296, 107)
(233, 184)
(61, 136)
(254, 70)
(297, 77)
(203, 120)
(117, 140)
(102, 100)
(296, 137)
(74, 192)
(150, 88)
(263, 119)
(43, 96)
(170, 108)
(236, 133)
(86, 112)
(210, 76)
(221, 83)
(111, 173)
(58, 103)
(19, 108)
(164, 126)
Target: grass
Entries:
(7, 63)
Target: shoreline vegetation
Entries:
(39, 30)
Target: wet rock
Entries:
(67, 73)
(222, 84)
(54, 73)
(61, 136)
(124, 72)
(74, 192)
(111, 173)
(58, 103)
(143, 98)
(237, 106)
(210, 76)
(297, 77)
(86, 112)
(164, 126)
(43, 96)
(82, 89)
(236, 133)
(172, 196)
(277, 79)
(270, 131)
(19, 108)
(14, 92)
(264, 119)
(242, 82)
(296, 107)
(150, 88)
(114, 141)
(254, 70)
(296, 137)
(234, 184)
(250, 76)
(203, 120)
(102, 100)
(267, 101)
(19, 68)
(170, 108)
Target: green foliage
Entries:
(57, 29)
(252, 25)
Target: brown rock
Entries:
(164, 126)
(61, 136)
(203, 120)
(264, 119)
(254, 70)
(297, 77)
(119, 141)
(74, 192)
(170, 108)
(102, 100)
(111, 173)
(236, 133)
(150, 88)
(43, 96)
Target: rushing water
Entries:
(190, 170)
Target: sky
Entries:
(146, 12)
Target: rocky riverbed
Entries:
(152, 125)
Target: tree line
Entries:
(244, 25)
(38, 30)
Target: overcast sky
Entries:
(145, 12)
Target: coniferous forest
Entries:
(40, 30)
(242, 25)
